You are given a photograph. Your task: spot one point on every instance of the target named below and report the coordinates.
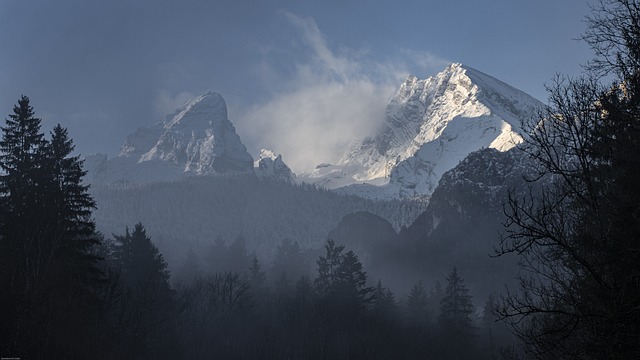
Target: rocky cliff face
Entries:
(460, 227)
(431, 125)
(269, 165)
(469, 198)
(198, 139)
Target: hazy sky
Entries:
(301, 77)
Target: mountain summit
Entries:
(431, 125)
(198, 139)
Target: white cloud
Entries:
(328, 100)
(316, 124)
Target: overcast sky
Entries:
(301, 77)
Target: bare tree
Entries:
(577, 228)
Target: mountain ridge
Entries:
(430, 126)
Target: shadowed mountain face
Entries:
(461, 227)
(365, 233)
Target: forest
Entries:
(69, 291)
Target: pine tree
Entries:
(74, 273)
(46, 239)
(454, 322)
(341, 277)
(147, 309)
(140, 260)
(21, 154)
(456, 307)
(352, 279)
(25, 254)
(73, 205)
(328, 266)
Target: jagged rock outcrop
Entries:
(271, 166)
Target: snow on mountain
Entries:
(270, 165)
(431, 125)
(198, 139)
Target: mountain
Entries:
(460, 227)
(198, 139)
(465, 218)
(431, 125)
(190, 180)
(270, 165)
(434, 130)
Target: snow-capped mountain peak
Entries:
(200, 136)
(430, 126)
(209, 107)
(197, 139)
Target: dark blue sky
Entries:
(105, 68)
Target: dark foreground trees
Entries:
(48, 274)
(455, 320)
(578, 230)
(145, 309)
(59, 299)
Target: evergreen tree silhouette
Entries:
(147, 309)
(456, 306)
(47, 270)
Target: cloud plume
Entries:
(327, 100)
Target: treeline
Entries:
(219, 310)
(197, 210)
